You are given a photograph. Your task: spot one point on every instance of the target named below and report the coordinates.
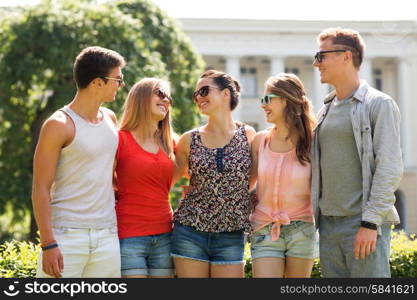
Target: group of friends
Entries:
(304, 188)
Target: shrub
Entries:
(18, 259)
(403, 258)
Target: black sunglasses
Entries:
(119, 80)
(203, 91)
(319, 55)
(162, 95)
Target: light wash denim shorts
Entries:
(298, 239)
(147, 255)
(211, 247)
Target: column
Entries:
(412, 109)
(407, 107)
(277, 65)
(233, 68)
(407, 93)
(320, 91)
(365, 71)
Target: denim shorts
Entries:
(147, 255)
(298, 239)
(211, 247)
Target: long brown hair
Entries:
(137, 113)
(298, 111)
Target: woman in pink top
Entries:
(284, 239)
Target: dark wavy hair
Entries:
(298, 111)
(225, 81)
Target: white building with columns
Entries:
(253, 50)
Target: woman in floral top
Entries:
(210, 222)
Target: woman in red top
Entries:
(144, 170)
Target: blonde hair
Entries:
(137, 113)
(348, 39)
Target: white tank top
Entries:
(82, 193)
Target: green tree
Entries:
(37, 48)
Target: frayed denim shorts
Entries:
(147, 255)
(298, 239)
(211, 247)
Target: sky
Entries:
(282, 9)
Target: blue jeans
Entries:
(337, 259)
(211, 247)
(147, 255)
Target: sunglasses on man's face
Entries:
(319, 56)
(265, 100)
(162, 95)
(120, 81)
(203, 91)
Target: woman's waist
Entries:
(138, 216)
(268, 214)
(211, 212)
(130, 207)
(142, 198)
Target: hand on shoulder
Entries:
(250, 133)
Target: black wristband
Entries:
(50, 246)
(369, 225)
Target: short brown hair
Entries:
(225, 81)
(348, 38)
(94, 62)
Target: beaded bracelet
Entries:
(51, 246)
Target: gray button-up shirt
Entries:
(376, 126)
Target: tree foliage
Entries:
(37, 48)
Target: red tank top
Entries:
(143, 183)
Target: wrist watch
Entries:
(369, 225)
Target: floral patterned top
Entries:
(218, 199)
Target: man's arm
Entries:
(385, 118)
(388, 161)
(55, 134)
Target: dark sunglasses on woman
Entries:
(203, 91)
(162, 95)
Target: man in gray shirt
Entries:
(356, 163)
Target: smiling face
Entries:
(332, 65)
(209, 97)
(274, 111)
(160, 102)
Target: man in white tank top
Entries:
(72, 195)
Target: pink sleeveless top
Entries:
(283, 189)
